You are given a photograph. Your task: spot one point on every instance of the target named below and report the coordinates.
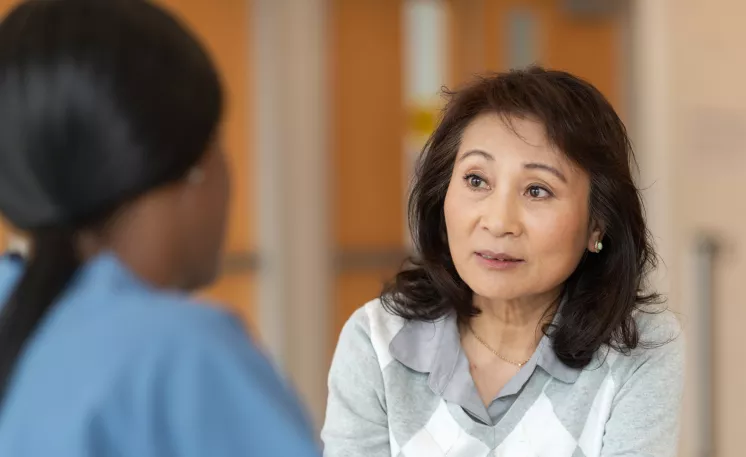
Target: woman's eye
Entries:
(475, 181)
(538, 192)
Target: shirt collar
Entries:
(434, 348)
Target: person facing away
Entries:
(110, 161)
(523, 327)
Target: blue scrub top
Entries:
(117, 368)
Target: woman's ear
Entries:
(595, 240)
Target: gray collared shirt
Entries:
(435, 348)
(402, 388)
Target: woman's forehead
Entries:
(499, 134)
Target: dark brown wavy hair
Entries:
(605, 289)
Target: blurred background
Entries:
(331, 100)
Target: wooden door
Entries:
(576, 36)
(367, 125)
(559, 34)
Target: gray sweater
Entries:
(403, 388)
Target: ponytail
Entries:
(53, 262)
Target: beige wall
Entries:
(709, 171)
(691, 134)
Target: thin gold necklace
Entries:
(504, 359)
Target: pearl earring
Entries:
(599, 245)
(195, 176)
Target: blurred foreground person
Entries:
(110, 161)
(524, 327)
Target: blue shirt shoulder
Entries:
(118, 368)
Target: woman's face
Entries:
(205, 206)
(516, 211)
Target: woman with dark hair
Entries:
(110, 162)
(523, 326)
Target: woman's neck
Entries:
(513, 326)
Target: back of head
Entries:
(101, 101)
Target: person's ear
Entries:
(595, 240)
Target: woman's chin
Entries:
(492, 293)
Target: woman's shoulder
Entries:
(660, 348)
(145, 321)
(370, 330)
(374, 320)
(179, 317)
(208, 364)
(658, 328)
(187, 336)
